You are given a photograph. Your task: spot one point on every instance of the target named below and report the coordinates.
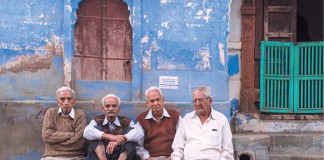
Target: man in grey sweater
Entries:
(63, 127)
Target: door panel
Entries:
(103, 41)
(280, 20)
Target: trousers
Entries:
(129, 146)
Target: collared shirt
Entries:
(209, 141)
(92, 133)
(143, 153)
(71, 113)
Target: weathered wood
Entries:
(103, 41)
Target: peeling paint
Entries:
(30, 63)
(164, 1)
(204, 64)
(200, 12)
(221, 53)
(188, 4)
(207, 17)
(160, 34)
(144, 39)
(69, 8)
(134, 59)
(36, 59)
(234, 106)
(147, 63)
(165, 25)
(147, 60)
(172, 66)
(67, 73)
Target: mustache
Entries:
(112, 111)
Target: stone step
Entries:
(288, 146)
(297, 143)
(296, 156)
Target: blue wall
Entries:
(183, 39)
(30, 44)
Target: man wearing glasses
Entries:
(203, 133)
(110, 136)
(158, 125)
(63, 128)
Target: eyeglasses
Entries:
(112, 105)
(199, 100)
(153, 100)
(68, 99)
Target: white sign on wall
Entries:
(168, 82)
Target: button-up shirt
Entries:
(91, 131)
(71, 114)
(143, 153)
(211, 140)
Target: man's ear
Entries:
(57, 99)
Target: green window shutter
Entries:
(309, 86)
(276, 77)
(292, 77)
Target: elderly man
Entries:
(63, 127)
(203, 133)
(159, 126)
(111, 136)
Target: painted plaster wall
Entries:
(234, 56)
(30, 49)
(186, 39)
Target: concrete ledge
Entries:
(252, 123)
(295, 156)
(256, 146)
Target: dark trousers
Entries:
(129, 146)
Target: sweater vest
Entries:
(124, 123)
(159, 135)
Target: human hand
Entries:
(110, 147)
(120, 139)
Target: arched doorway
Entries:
(103, 41)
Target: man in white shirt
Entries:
(111, 136)
(203, 133)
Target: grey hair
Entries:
(108, 96)
(64, 88)
(153, 88)
(204, 89)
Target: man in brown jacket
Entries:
(63, 128)
(159, 126)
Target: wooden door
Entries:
(280, 20)
(103, 41)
